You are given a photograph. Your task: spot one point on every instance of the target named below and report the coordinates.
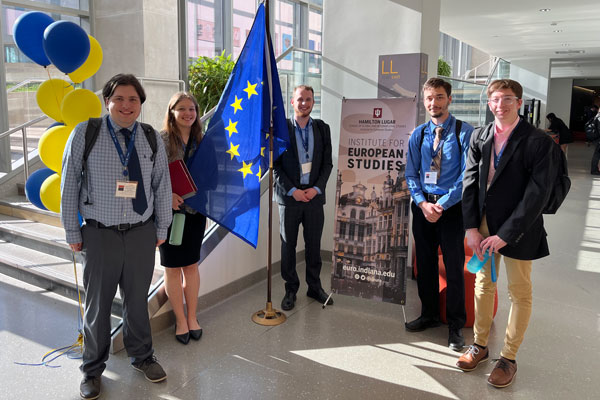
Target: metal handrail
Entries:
(23, 127)
(292, 48)
(23, 83)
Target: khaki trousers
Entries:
(518, 273)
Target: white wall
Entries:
(534, 76)
(559, 98)
(355, 34)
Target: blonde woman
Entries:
(182, 134)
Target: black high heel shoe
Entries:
(196, 334)
(184, 338)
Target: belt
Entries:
(119, 227)
(433, 198)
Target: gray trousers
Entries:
(126, 259)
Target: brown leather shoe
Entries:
(503, 373)
(472, 357)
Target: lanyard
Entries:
(186, 149)
(304, 139)
(124, 157)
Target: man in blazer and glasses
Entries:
(506, 185)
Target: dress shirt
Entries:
(96, 200)
(304, 156)
(418, 162)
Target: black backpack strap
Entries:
(151, 138)
(456, 132)
(91, 135)
(422, 137)
(457, 129)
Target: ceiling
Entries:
(567, 35)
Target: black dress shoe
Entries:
(289, 301)
(456, 341)
(320, 296)
(196, 334)
(89, 388)
(184, 337)
(421, 323)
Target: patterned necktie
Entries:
(437, 159)
(140, 204)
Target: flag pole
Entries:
(269, 316)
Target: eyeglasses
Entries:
(508, 100)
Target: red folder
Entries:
(181, 180)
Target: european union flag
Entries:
(234, 154)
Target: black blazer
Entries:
(286, 168)
(518, 192)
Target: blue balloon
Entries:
(67, 45)
(33, 185)
(28, 32)
(55, 124)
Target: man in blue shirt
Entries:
(437, 152)
(301, 175)
(124, 196)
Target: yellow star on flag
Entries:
(251, 89)
(246, 169)
(237, 104)
(259, 173)
(233, 150)
(262, 151)
(232, 128)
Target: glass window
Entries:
(243, 16)
(315, 19)
(284, 31)
(203, 33)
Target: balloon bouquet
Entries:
(77, 54)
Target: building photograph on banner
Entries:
(372, 199)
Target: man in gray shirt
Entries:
(123, 193)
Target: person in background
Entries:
(182, 134)
(558, 127)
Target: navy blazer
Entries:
(518, 192)
(286, 168)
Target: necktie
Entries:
(140, 204)
(437, 159)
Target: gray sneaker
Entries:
(151, 369)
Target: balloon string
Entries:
(53, 89)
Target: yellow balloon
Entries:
(52, 146)
(80, 105)
(50, 193)
(50, 95)
(91, 65)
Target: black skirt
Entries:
(188, 252)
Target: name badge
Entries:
(431, 177)
(126, 189)
(306, 167)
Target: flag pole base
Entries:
(269, 316)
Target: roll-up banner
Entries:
(372, 199)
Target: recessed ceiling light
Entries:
(544, 9)
(557, 31)
(553, 23)
(565, 44)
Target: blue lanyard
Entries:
(499, 155)
(304, 139)
(124, 157)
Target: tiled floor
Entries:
(355, 349)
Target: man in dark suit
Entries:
(301, 174)
(506, 185)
